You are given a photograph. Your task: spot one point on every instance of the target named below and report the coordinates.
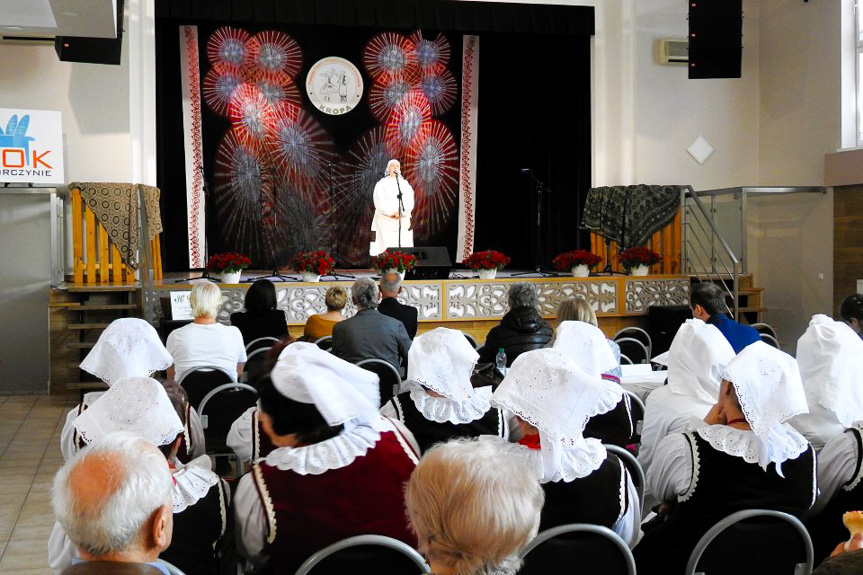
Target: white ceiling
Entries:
(89, 18)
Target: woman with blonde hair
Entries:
(578, 309)
(319, 325)
(470, 517)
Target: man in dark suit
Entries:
(370, 334)
(391, 286)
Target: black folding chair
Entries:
(636, 333)
(254, 363)
(390, 380)
(324, 342)
(632, 348)
(365, 554)
(753, 542)
(219, 409)
(199, 381)
(578, 548)
(262, 342)
(636, 472)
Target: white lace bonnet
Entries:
(586, 345)
(768, 386)
(341, 391)
(830, 357)
(442, 360)
(129, 347)
(698, 354)
(136, 404)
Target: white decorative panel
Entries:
(641, 294)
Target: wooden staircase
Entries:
(78, 315)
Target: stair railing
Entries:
(706, 253)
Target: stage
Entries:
(465, 302)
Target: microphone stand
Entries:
(540, 189)
(206, 273)
(401, 208)
(275, 275)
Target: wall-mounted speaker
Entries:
(92, 50)
(715, 38)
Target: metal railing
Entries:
(705, 253)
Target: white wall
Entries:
(671, 110)
(93, 100)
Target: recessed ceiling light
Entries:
(13, 27)
(70, 13)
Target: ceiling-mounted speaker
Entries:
(92, 50)
(715, 38)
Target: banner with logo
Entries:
(31, 147)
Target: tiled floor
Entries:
(30, 428)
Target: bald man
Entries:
(113, 500)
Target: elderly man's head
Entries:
(391, 284)
(114, 500)
(365, 294)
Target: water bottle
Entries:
(500, 361)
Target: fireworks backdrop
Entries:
(285, 177)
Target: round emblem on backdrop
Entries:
(334, 86)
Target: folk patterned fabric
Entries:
(116, 207)
(629, 215)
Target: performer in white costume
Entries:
(386, 221)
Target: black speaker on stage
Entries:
(433, 262)
(715, 38)
(663, 323)
(92, 50)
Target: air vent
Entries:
(673, 51)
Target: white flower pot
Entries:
(310, 277)
(580, 271)
(487, 274)
(394, 271)
(640, 270)
(231, 277)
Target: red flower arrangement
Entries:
(318, 262)
(399, 261)
(487, 260)
(229, 262)
(639, 256)
(568, 260)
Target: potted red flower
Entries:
(313, 265)
(486, 263)
(639, 260)
(395, 261)
(230, 265)
(579, 261)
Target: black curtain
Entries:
(534, 113)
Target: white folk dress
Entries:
(385, 227)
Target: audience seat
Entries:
(265, 342)
(633, 466)
(636, 408)
(199, 381)
(218, 410)
(634, 349)
(636, 333)
(754, 542)
(578, 548)
(365, 554)
(390, 380)
(325, 342)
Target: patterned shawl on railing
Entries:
(629, 215)
(116, 208)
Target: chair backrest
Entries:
(324, 342)
(634, 349)
(220, 408)
(254, 362)
(390, 379)
(762, 327)
(365, 554)
(262, 342)
(199, 381)
(471, 340)
(769, 339)
(636, 472)
(582, 547)
(637, 333)
(625, 359)
(754, 541)
(636, 409)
